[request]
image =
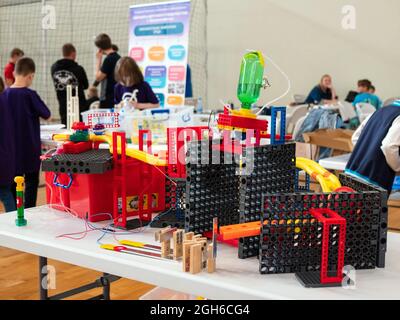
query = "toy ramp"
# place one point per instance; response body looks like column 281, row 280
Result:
column 130, row 152
column 328, row 181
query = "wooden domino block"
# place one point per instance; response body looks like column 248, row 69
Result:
column 201, row 239
column 195, row 258
column 204, row 255
column 178, row 244
column 189, row 236
column 186, row 255
column 211, row 262
column 165, row 249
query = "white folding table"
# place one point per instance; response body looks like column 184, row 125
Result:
column 235, row 279
column 338, row 163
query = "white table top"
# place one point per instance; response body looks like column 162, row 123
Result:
column 234, row 280
column 336, row 163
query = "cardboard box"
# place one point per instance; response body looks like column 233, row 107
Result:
column 336, row 139
column 306, row 150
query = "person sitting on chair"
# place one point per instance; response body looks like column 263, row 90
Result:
column 323, row 93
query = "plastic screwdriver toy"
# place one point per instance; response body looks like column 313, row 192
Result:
column 20, row 221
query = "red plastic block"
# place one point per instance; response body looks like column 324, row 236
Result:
column 177, row 138
column 77, row 148
column 138, row 187
column 230, row 121
column 328, row 218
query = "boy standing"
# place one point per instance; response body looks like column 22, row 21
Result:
column 68, row 72
column 10, row 67
column 26, row 109
column 7, row 156
column 376, row 156
column 105, row 70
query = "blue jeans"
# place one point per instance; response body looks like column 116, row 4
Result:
column 7, row 198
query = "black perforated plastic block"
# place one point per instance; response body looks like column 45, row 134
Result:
column 212, row 187
column 361, row 211
column 230, row 187
column 91, row 162
column 174, row 215
column 268, row 169
column 380, row 200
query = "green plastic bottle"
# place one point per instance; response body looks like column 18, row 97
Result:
column 251, row 79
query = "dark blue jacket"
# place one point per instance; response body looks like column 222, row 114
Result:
column 26, row 108
column 7, row 146
column 368, row 160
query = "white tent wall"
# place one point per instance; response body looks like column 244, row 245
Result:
column 306, row 39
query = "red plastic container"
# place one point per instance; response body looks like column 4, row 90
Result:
column 89, row 195
column 92, row 195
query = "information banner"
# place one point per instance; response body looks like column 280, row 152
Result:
column 159, row 42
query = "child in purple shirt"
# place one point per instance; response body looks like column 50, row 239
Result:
column 7, row 156
column 130, row 80
column 26, row 109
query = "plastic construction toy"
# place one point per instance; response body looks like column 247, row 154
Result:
column 294, row 238
column 20, row 221
column 233, row 191
column 328, row 219
column 81, row 132
column 99, row 129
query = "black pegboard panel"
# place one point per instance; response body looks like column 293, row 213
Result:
column 361, row 211
column 212, row 187
column 268, row 169
column 380, row 203
column 174, row 216
column 223, row 185
column 90, row 162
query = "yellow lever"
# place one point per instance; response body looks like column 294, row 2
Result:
column 108, row 247
column 132, row 244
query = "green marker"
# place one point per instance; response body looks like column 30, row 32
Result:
column 20, row 221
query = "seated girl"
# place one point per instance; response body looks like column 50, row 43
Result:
column 323, row 93
column 130, row 81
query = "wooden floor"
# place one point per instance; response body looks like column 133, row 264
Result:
column 19, row 277
column 19, row 273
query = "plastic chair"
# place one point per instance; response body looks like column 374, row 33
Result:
column 299, row 98
column 298, row 125
column 294, row 115
column 364, row 110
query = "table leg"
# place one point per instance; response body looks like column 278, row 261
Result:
column 43, row 290
column 106, row 286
